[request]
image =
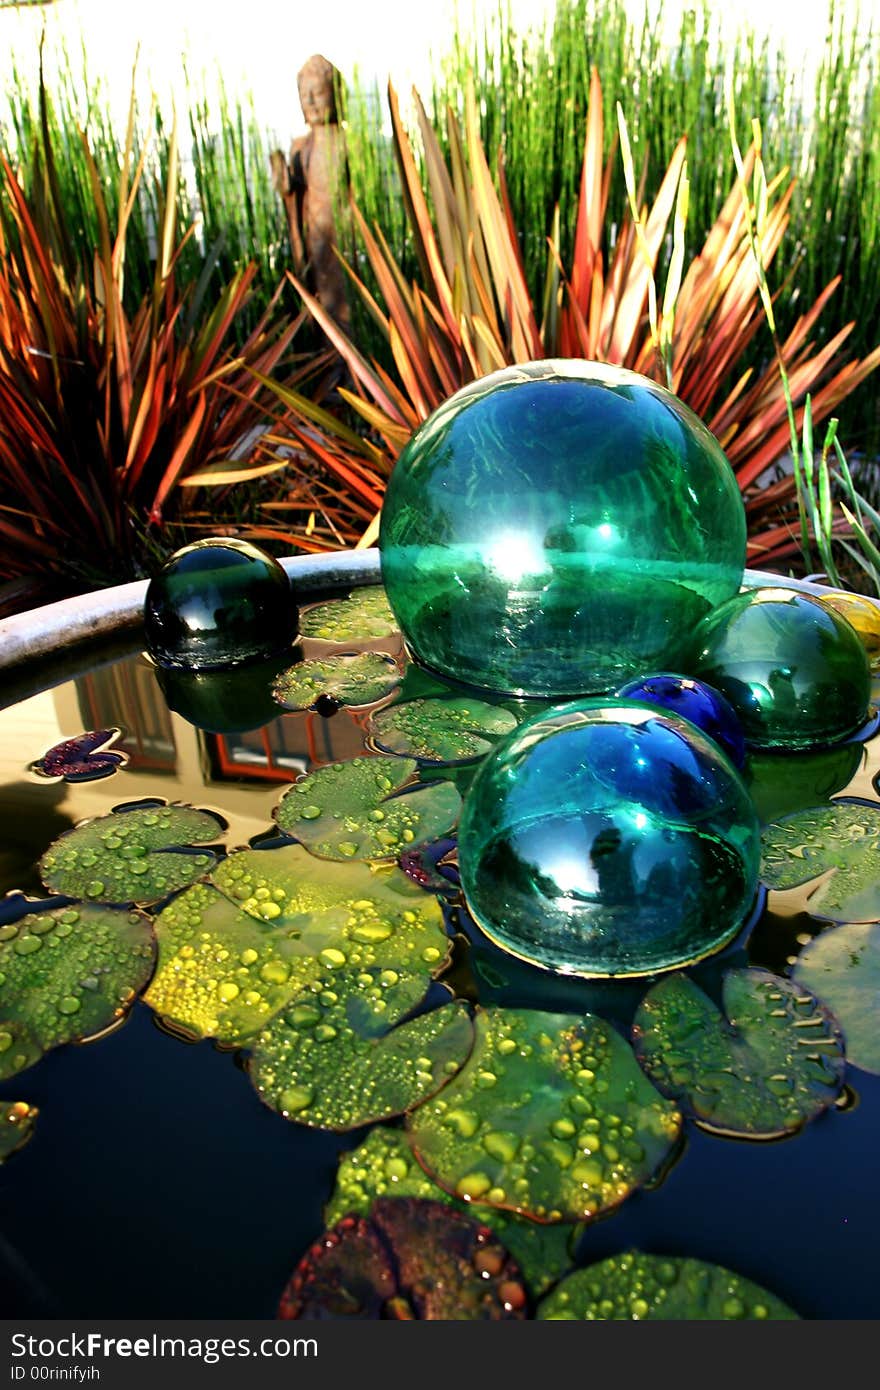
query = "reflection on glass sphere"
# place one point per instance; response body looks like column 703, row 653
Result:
column 218, row 602
column 558, row 528
column 794, row 671
column 696, row 701
column 862, row 614
column 608, row 838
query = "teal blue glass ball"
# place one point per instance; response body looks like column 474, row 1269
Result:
column 609, row 838
column 794, row 670
column 218, row 603
column 557, row 528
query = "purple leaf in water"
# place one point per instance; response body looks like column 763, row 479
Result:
column 83, row 758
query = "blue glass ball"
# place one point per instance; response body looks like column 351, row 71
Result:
column 604, row 838
column 558, row 527
column 218, row 603
column 696, row 701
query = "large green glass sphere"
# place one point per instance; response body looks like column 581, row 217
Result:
column 218, row 603
column 558, row 528
column 794, row 670
column 609, row 838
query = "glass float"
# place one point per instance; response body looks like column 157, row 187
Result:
column 695, row 701
column 558, row 528
column 794, row 671
column 218, row 602
column 862, row 614
column 608, row 838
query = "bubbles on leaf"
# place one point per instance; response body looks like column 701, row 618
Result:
column 440, row 731
column 636, row 1287
column 365, row 615
column 354, row 679
column 842, row 967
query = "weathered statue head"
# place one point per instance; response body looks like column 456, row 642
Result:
column 316, row 82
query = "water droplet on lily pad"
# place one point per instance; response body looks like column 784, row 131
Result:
column 17, row 1120
column 842, row 967
column 365, row 615
column 637, row 1287
column 385, row 1166
column 359, row 1063
column 840, row 841
column 773, row 1063
column 125, row 856
column 410, row 1259
column 347, row 794
column 544, row 1079
column 440, row 731
column 354, row 679
column 43, row 1001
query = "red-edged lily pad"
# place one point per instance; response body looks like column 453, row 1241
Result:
column 83, row 758
column 410, row 1259
column 17, row 1122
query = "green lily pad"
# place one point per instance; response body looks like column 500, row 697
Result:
column 67, row 975
column 773, row 1063
column 133, row 855
column 384, row 1166
column 551, row 1117
column 440, row 731
column 234, row 951
column 365, row 615
column 347, row 810
column 840, row 841
column 339, row 1056
column 657, row 1288
column 842, row 967
column 411, row 1259
column 353, row 678
column 17, row 1122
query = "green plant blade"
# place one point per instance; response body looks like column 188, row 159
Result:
column 551, row 1117
column 366, row 615
column 842, row 967
column 17, row 1121
column 840, row 841
column 235, row 951
column 384, row 1166
column 355, row 679
column 656, row 1288
column 67, row 975
column 410, row 1259
column 348, row 810
column 132, row 855
column 339, row 1056
column 762, row 1071
column 440, row 731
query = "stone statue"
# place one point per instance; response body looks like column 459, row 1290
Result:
column 310, row 181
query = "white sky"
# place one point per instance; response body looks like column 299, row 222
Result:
column 258, row 45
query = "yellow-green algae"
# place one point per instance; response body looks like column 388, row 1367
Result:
column 365, row 615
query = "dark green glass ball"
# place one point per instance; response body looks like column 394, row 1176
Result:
column 218, row 602
column 558, row 528
column 794, row 670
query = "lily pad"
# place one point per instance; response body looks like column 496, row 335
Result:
column 657, row 1288
column 365, row 615
column 352, row 678
column 234, row 951
column 773, row 1063
column 339, row 1056
column 440, row 731
column 411, row 1259
column 83, row 758
column 840, row 841
column 551, row 1117
column 67, row 975
column 16, row 1126
column 133, row 855
column 842, row 967
column 348, row 810
column 384, row 1166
